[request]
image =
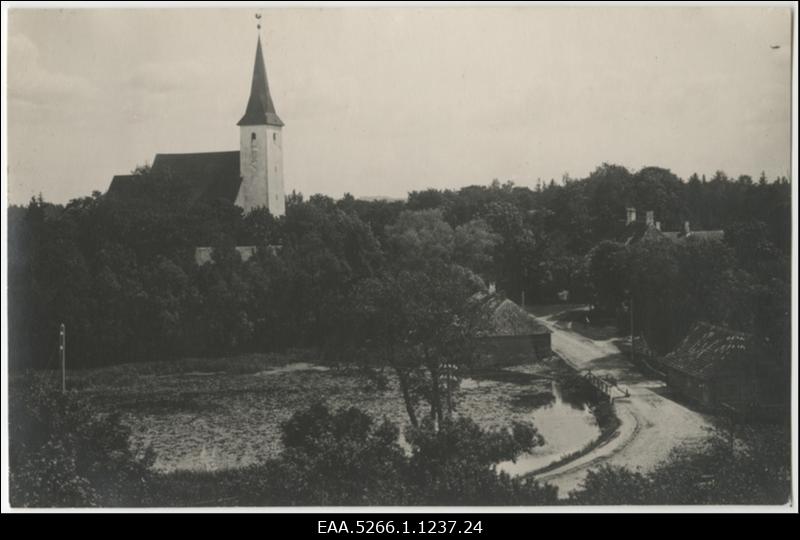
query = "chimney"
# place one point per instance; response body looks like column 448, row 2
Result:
column 686, row 228
column 658, row 225
column 631, row 215
column 650, row 217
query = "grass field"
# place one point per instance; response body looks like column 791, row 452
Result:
column 212, row 414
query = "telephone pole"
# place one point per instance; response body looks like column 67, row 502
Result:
column 633, row 343
column 62, row 352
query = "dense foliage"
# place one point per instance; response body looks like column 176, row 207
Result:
column 121, row 273
column 343, row 457
column 375, row 281
column 62, row 455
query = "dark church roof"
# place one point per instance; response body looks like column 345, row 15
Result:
column 709, row 349
column 205, row 176
column 260, row 109
column 123, row 185
column 208, row 175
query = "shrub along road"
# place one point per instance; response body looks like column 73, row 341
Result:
column 651, row 425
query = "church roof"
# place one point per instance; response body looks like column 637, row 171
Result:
column 122, row 185
column 208, row 175
column 260, row 109
column 204, row 176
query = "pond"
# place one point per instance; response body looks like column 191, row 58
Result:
column 567, row 425
column 220, row 420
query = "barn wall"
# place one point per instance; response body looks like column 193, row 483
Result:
column 512, row 350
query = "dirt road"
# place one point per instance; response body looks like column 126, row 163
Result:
column 651, row 426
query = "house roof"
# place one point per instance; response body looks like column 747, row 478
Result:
column 638, row 231
column 260, row 109
column 707, row 349
column 705, row 235
column 505, row 318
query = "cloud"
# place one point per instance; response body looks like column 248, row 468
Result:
column 32, row 85
column 166, row 77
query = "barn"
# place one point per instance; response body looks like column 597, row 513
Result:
column 509, row 335
column 715, row 366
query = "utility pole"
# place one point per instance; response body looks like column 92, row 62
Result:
column 633, row 343
column 62, row 352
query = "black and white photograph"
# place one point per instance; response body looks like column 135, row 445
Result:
column 273, row 256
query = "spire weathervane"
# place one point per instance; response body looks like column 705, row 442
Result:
column 258, row 18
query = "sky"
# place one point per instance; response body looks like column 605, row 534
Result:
column 383, row 101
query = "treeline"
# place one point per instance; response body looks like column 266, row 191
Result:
column 120, row 273
column 547, row 231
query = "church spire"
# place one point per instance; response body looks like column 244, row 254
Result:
column 260, row 109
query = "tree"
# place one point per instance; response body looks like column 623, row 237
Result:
column 417, row 313
column 606, row 268
column 609, row 485
column 455, row 464
column 338, row 458
column 345, row 458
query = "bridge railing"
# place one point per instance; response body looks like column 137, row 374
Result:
column 606, row 387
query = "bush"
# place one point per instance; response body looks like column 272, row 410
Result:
column 455, row 465
column 61, row 455
column 345, row 458
column 755, row 471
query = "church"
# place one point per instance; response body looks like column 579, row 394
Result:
column 250, row 178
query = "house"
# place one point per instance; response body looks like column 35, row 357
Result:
column 507, row 334
column 715, row 366
column 637, row 230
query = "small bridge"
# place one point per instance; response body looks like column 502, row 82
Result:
column 607, row 388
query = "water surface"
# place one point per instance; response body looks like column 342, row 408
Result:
column 566, row 427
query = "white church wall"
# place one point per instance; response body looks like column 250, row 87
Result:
column 253, row 162
column 261, row 167
column 275, row 192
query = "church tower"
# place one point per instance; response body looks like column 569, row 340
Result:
column 261, row 147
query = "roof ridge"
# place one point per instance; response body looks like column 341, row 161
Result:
column 196, row 153
column 721, row 328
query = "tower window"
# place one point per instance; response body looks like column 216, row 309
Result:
column 274, row 136
column 252, row 136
